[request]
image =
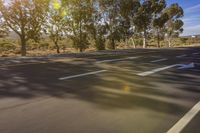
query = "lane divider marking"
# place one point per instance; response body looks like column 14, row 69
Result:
column 185, row 120
column 143, row 74
column 164, row 59
column 81, row 75
column 181, row 56
column 195, row 53
column 113, row 60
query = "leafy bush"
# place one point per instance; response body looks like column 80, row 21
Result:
column 44, row 45
column 100, row 44
column 32, row 45
column 7, row 46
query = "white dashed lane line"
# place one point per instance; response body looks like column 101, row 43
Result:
column 181, row 56
column 113, row 60
column 195, row 53
column 147, row 73
column 155, row 61
column 82, row 75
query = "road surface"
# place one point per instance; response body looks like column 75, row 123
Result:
column 124, row 91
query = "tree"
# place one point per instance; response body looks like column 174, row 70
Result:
column 128, row 9
column 56, row 23
column 174, row 24
column 3, row 28
column 158, row 25
column 159, row 20
column 147, row 12
column 25, row 18
column 143, row 19
column 97, row 28
column 112, row 20
column 79, row 17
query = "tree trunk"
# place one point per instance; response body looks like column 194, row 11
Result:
column 80, row 50
column 145, row 39
column 169, row 43
column 126, row 41
column 23, row 46
column 158, row 39
column 112, row 44
column 57, row 47
column 132, row 40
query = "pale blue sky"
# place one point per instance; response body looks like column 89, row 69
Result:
column 192, row 15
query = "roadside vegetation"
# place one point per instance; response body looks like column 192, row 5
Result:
column 60, row 26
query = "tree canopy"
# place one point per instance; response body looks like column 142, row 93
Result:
column 103, row 21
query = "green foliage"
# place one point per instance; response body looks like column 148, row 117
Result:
column 100, row 43
column 174, row 24
column 6, row 46
column 79, row 18
column 84, row 23
column 80, row 43
column 57, row 25
column 183, row 40
column 116, row 20
column 25, row 18
column 151, row 17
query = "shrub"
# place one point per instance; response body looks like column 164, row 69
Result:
column 7, row 46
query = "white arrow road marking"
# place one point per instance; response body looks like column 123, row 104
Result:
column 112, row 60
column 187, row 66
column 182, row 123
column 164, row 59
column 181, row 66
column 156, row 70
column 81, row 75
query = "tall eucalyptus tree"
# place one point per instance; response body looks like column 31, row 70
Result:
column 174, row 25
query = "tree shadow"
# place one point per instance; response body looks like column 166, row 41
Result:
column 116, row 89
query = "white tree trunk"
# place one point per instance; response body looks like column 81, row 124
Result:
column 134, row 45
column 144, row 42
column 145, row 39
column 169, row 43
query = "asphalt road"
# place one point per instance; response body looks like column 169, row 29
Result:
column 124, row 91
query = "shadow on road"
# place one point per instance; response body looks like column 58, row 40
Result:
column 116, row 89
column 167, row 92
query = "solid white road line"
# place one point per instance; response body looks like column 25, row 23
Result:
column 81, row 75
column 195, row 53
column 164, row 59
column 183, row 122
column 181, row 56
column 112, row 60
column 156, row 70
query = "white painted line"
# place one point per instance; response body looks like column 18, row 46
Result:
column 181, row 56
column 164, row 59
column 186, row 66
column 81, row 75
column 183, row 122
column 112, row 60
column 195, row 53
column 156, row 70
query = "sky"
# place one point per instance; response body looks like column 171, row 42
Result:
column 191, row 15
